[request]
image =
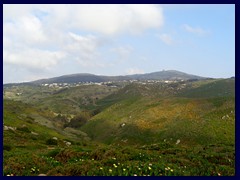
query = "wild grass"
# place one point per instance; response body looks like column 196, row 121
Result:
column 150, row 160
column 140, row 130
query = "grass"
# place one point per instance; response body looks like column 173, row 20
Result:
column 158, row 160
column 191, row 120
column 140, row 130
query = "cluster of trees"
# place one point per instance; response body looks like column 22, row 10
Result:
column 79, row 120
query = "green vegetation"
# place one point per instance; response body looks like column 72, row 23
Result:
column 142, row 129
column 157, row 159
column 79, row 120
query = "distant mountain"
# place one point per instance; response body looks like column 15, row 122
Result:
column 165, row 75
column 85, row 77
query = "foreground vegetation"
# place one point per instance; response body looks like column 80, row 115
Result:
column 100, row 160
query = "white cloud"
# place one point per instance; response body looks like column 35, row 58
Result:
column 134, row 71
column 194, row 30
column 32, row 58
column 108, row 19
column 166, row 38
column 86, row 44
column 113, row 19
column 26, row 29
column 42, row 36
column 123, row 51
column 84, row 49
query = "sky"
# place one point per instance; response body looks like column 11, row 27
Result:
column 43, row 41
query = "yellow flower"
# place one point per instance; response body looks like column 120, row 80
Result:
column 124, row 169
column 110, row 170
column 101, row 168
column 149, row 168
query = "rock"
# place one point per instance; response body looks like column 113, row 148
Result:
column 178, row 141
column 123, row 124
column 42, row 175
column 124, row 140
column 6, row 128
column 68, row 143
column 34, row 133
column 12, row 128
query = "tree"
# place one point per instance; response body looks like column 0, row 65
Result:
column 79, row 120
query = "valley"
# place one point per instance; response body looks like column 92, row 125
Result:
column 139, row 125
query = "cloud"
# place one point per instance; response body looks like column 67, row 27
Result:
column 114, row 19
column 194, row 30
column 166, row 38
column 43, row 36
column 134, row 71
column 32, row 58
column 25, row 29
column 123, row 51
column 108, row 19
column 81, row 44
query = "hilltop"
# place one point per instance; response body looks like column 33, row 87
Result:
column 86, row 77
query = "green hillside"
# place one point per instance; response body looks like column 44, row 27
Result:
column 217, row 88
column 139, row 128
column 67, row 100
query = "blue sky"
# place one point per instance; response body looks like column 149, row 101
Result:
column 42, row 41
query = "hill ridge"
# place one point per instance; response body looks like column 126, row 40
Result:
column 88, row 77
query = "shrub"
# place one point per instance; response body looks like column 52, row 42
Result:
column 95, row 112
column 7, row 147
column 53, row 153
column 51, row 141
column 79, row 120
column 24, row 129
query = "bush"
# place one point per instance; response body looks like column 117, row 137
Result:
column 53, row 153
column 24, row 129
column 7, row 147
column 95, row 112
column 79, row 120
column 51, row 142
